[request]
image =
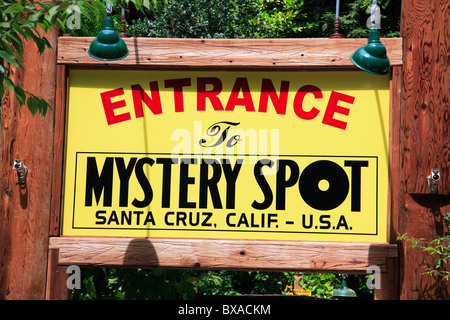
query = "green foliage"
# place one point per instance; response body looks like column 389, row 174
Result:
column 262, row 19
column 91, row 15
column 198, row 19
column 438, row 249
column 91, row 19
column 242, row 282
column 352, row 18
column 280, row 19
column 223, row 19
column 19, row 20
column 134, row 284
column 155, row 284
column 140, row 5
column 321, row 284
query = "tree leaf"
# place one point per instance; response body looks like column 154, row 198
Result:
column 52, row 13
column 9, row 83
column 2, row 86
column 36, row 104
column 20, row 94
column 43, row 107
column 5, row 24
column 14, row 8
column 43, row 5
column 9, row 58
column 99, row 6
column 2, row 91
column 36, row 16
column 32, row 104
column 61, row 24
column 14, row 39
column 40, row 44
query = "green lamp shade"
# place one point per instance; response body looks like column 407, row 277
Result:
column 108, row 45
column 372, row 57
column 345, row 292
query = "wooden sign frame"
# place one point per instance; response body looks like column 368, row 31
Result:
column 220, row 54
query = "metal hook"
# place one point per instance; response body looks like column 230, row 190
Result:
column 433, row 180
column 22, row 171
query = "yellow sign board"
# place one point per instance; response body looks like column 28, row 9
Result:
column 226, row 154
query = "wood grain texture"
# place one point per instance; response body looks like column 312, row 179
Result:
column 389, row 287
column 426, row 92
column 24, row 209
column 222, row 254
column 228, row 53
column 424, row 142
column 396, row 188
column 56, row 287
column 58, row 148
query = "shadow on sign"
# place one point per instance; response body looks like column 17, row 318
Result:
column 140, row 252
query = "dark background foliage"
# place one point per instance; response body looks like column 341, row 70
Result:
column 250, row 19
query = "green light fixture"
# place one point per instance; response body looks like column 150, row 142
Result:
column 108, row 45
column 372, row 57
column 345, row 292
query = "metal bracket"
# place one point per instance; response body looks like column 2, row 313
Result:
column 433, row 180
column 22, row 171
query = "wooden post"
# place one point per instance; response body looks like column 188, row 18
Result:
column 424, row 142
column 56, row 274
column 388, row 288
column 25, row 210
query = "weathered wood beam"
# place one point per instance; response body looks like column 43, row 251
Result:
column 351, row 257
column 232, row 53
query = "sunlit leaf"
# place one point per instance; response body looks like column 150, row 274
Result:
column 20, row 94
column 36, row 16
column 14, row 8
column 32, row 105
column 9, row 58
column 9, row 83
